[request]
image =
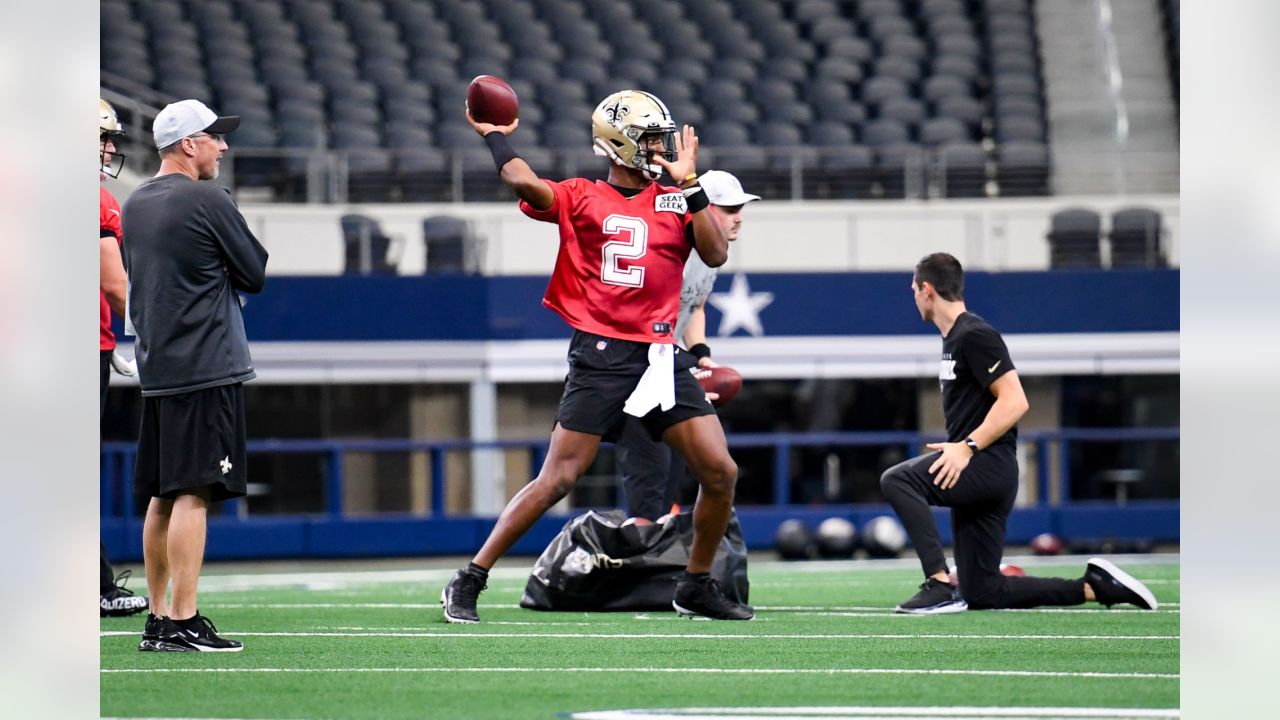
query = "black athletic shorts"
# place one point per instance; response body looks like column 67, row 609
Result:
column 190, row 441
column 604, row 371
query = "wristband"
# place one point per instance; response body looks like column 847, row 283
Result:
column 688, row 179
column 696, row 198
column 973, row 444
column 700, row 351
column 501, row 149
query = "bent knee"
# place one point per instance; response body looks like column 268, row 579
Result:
column 890, row 480
column 720, row 476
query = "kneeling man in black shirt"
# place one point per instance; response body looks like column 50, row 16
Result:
column 975, row 473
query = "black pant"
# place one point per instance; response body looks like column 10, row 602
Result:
column 653, row 477
column 980, row 502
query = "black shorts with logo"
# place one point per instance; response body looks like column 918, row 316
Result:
column 192, row 440
column 604, row 371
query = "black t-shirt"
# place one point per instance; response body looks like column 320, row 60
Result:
column 973, row 356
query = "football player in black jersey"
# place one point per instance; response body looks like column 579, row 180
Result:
column 975, row 472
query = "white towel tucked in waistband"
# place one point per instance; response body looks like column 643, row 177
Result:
column 658, row 384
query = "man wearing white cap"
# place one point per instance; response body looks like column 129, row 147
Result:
column 651, row 474
column 189, row 254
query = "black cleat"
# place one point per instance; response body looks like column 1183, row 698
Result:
column 1112, row 586
column 151, row 632
column 935, row 598
column 705, row 599
column 459, row 598
column 120, row 602
column 199, row 636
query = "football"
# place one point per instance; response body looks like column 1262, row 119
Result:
column 722, row 380
column 491, row 100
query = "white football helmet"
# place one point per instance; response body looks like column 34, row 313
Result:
column 108, row 126
column 622, row 119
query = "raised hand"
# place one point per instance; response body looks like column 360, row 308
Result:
column 686, row 156
column 486, row 128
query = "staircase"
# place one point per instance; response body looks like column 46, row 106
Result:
column 1113, row 124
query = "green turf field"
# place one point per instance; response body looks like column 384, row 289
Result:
column 824, row 642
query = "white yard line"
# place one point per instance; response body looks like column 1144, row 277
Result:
column 871, row 609
column 675, row 636
column 341, row 579
column 873, row 713
column 669, row 671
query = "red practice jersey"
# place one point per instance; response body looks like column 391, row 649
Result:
column 621, row 259
column 109, row 222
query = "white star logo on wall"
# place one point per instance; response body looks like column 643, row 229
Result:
column 740, row 307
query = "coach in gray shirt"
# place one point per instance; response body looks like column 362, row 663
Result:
column 189, row 254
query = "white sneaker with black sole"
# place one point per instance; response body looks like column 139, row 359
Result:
column 1112, row 586
column 935, row 598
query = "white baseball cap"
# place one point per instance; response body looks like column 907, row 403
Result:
column 188, row 117
column 723, row 189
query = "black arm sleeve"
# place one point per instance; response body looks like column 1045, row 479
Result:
column 986, row 355
column 245, row 257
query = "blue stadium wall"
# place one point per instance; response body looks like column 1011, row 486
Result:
column 476, row 308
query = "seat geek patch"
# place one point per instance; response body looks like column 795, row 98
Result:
column 671, row 202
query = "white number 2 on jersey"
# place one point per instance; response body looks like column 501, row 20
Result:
column 632, row 246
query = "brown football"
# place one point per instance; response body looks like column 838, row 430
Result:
column 491, row 100
column 722, row 380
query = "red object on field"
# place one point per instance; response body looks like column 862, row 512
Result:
column 491, row 100
column 722, row 380
column 1046, row 544
column 1006, row 570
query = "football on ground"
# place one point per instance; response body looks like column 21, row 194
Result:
column 491, row 100
column 722, row 380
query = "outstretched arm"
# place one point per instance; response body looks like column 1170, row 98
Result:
column 512, row 169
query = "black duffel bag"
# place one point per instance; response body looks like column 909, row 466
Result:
column 601, row 562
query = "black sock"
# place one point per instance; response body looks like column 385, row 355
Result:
column 697, row 577
column 480, row 572
column 189, row 622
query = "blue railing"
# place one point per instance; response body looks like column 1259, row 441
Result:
column 118, row 458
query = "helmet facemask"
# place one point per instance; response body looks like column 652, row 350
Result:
column 623, row 125
column 109, row 128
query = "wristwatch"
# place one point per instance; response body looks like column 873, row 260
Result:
column 973, row 445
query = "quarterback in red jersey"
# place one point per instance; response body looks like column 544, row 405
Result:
column 115, row 599
column 623, row 246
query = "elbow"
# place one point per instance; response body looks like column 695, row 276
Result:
column 1022, row 407
column 716, row 258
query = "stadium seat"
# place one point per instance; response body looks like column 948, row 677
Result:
column 1022, row 169
column 450, row 247
column 900, row 169
column 943, row 130
column 882, row 132
column 963, row 170
column 367, row 247
column 1075, row 238
column 1136, row 239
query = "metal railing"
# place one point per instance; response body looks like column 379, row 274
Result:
column 118, row 459
column 779, row 173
